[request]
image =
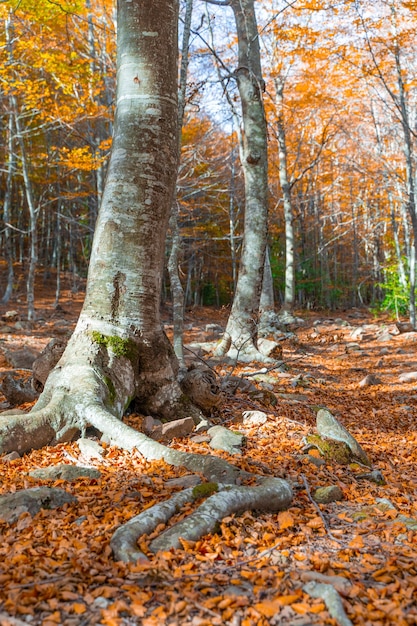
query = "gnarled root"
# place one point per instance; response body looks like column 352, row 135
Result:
column 82, row 394
column 272, row 494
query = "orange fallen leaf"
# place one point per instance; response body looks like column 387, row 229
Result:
column 301, row 607
column 285, row 520
column 268, row 608
column 356, row 543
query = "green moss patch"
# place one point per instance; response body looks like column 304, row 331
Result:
column 204, row 490
column 119, row 347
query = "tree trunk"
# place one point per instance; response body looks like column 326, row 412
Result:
column 118, row 351
column 239, row 340
column 33, row 212
column 177, row 291
column 7, row 203
column 289, row 294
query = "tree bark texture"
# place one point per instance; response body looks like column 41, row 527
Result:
column 289, row 296
column 240, row 335
column 118, row 351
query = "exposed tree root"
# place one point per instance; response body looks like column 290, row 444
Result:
column 272, row 494
column 241, row 350
column 93, row 390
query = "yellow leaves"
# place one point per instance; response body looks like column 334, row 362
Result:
column 79, row 158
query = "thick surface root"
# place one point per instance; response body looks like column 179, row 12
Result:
column 77, row 397
column 273, row 494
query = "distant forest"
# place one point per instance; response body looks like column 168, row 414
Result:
column 340, row 96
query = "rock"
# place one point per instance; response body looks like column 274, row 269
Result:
column 408, row 377
column 405, row 327
column 177, row 429
column 254, row 418
column 341, row 322
column 325, row 495
column 200, row 438
column 17, row 390
column 31, row 501
column 370, row 379
column 375, row 476
column 45, row 362
column 90, row 449
column 352, row 347
column 230, row 384
column 289, row 320
column 200, row 348
column 410, row 336
column 12, row 456
column 330, row 428
column 150, row 424
column 22, row 358
column 224, row 439
column 214, row 331
column 64, row 472
column 10, row 316
column 385, row 336
column 294, row 398
column 190, row 480
column 358, row 333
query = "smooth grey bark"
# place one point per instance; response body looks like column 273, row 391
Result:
column 7, row 203
column 239, row 340
column 118, row 351
column 289, row 294
column 30, row 200
column 270, row 494
column 177, row 291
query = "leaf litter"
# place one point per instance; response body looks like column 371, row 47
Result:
column 257, row 569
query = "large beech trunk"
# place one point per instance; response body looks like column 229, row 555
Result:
column 118, row 351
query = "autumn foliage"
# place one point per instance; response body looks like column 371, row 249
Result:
column 348, row 81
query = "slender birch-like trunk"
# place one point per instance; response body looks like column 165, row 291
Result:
column 239, row 340
column 6, row 212
column 289, row 294
column 177, row 291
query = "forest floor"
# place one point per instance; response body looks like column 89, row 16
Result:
column 57, row 567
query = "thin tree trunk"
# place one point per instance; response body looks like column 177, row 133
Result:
column 289, row 294
column 240, row 336
column 33, row 233
column 6, row 213
column 177, row 291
